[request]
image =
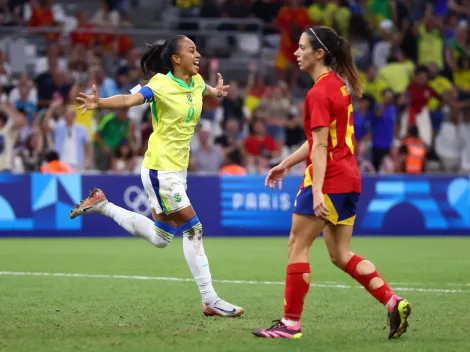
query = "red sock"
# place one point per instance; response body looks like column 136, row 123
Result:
column 296, row 290
column 382, row 294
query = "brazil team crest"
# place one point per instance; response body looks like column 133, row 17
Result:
column 190, row 98
column 177, row 197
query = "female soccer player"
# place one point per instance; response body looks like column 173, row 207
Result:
column 175, row 95
column 330, row 190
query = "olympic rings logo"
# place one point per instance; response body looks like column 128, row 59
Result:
column 136, row 199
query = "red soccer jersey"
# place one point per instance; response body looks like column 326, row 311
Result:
column 329, row 104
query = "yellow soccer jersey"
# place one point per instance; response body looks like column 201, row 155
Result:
column 176, row 109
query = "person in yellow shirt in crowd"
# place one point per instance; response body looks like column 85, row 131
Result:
column 331, row 13
column 444, row 87
column 373, row 85
column 462, row 82
column 397, row 72
column 430, row 41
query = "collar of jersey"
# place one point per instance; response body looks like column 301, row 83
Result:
column 180, row 82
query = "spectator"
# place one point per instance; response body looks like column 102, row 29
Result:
column 444, row 88
column 459, row 46
column 360, row 38
column 373, row 84
column 295, row 134
column 207, row 158
column 31, row 154
column 430, row 42
column 112, row 130
column 383, row 128
column 11, row 121
column 106, row 85
column 25, row 103
column 54, row 165
column 462, row 83
column 72, row 142
column 44, row 15
column 232, row 104
column 82, row 38
column 123, row 159
column 274, row 109
column 322, row 12
column 398, row 72
column 419, row 93
column 52, row 85
column 406, row 37
column 52, row 61
column 412, row 153
column 258, row 142
column 255, row 90
column 383, row 47
column 231, row 142
column 448, row 145
column 24, row 80
column 291, row 21
column 362, row 118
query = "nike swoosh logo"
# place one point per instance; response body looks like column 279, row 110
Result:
column 85, row 209
column 233, row 311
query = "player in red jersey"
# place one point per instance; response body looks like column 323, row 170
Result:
column 326, row 201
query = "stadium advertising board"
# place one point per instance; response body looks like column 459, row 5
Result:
column 38, row 205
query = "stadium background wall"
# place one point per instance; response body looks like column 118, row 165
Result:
column 36, row 205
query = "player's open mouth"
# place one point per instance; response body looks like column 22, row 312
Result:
column 196, row 64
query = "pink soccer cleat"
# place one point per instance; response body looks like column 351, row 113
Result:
column 279, row 331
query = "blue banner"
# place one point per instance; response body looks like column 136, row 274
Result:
column 39, row 205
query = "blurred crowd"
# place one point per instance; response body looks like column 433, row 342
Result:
column 414, row 57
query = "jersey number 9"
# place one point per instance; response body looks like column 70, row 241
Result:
column 191, row 113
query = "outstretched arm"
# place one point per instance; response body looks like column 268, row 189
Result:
column 120, row 101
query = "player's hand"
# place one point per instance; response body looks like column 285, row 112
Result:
column 275, row 175
column 319, row 206
column 220, row 88
column 89, row 102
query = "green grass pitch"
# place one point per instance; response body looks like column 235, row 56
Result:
column 152, row 313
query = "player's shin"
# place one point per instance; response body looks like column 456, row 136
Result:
column 297, row 286
column 364, row 272
column 136, row 224
column 197, row 260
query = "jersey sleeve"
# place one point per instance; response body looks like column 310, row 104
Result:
column 319, row 110
column 152, row 89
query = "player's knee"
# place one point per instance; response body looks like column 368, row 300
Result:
column 340, row 259
column 164, row 234
column 365, row 267
column 192, row 229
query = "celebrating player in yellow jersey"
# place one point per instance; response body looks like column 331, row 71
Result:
column 175, row 95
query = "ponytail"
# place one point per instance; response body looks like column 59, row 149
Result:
column 337, row 55
column 157, row 59
column 345, row 67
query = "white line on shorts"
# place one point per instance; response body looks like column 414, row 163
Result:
column 239, row 282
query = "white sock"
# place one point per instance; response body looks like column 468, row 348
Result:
column 198, row 264
column 134, row 223
column 289, row 323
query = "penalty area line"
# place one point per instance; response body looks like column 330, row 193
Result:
column 239, row 282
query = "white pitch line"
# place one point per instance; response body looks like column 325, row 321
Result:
column 240, row 282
